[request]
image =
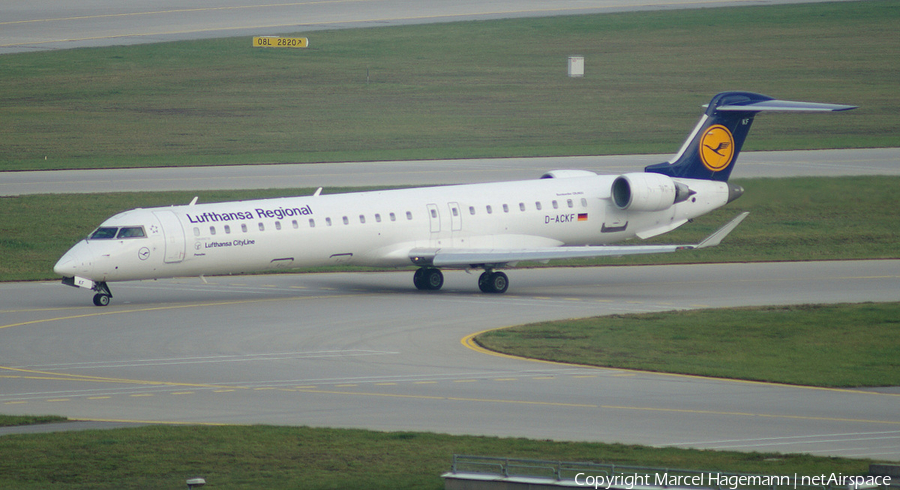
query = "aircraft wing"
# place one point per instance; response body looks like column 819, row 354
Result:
column 450, row 257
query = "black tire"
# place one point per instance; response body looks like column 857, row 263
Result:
column 484, row 282
column 499, row 282
column 418, row 280
column 101, row 299
column 426, row 279
column 434, row 279
column 493, row 282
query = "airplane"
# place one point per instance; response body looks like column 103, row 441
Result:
column 563, row 214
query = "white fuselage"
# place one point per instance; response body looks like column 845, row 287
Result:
column 379, row 228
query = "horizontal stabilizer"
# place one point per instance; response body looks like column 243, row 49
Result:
column 785, row 105
column 711, row 150
column 456, row 257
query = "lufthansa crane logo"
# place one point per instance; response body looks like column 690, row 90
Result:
column 717, row 148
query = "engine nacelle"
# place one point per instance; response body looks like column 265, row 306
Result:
column 648, row 192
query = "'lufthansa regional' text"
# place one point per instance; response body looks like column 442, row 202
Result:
column 258, row 213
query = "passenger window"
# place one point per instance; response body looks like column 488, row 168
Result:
column 312, row 223
column 131, row 232
column 278, row 225
column 295, row 224
column 377, row 218
column 227, row 229
column 243, row 227
column 505, row 208
column 362, row 219
column 212, row 230
column 489, row 210
column 569, row 202
column 472, row 210
column 537, row 205
column 583, row 202
column 521, row 206
column 434, row 213
column 104, row 233
column 327, row 221
column 262, row 227
column 196, row 231
column 408, row 215
column 393, row 217
column 555, row 205
column 346, row 220
column 455, row 211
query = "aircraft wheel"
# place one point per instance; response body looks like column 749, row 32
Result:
column 418, row 280
column 499, row 282
column 434, row 279
column 101, row 299
column 484, row 282
column 493, row 282
column 427, row 279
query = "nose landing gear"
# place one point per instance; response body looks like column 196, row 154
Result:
column 103, row 294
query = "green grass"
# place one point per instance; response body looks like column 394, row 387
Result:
column 14, row 420
column 465, row 89
column 304, row 458
column 791, row 219
column 829, row 346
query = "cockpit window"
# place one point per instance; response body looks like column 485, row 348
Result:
column 131, row 232
column 103, row 233
column 108, row 233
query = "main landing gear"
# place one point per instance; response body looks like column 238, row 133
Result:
column 493, row 282
column 428, row 279
column 431, row 279
column 103, row 294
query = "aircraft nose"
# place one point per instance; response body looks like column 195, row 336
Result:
column 75, row 262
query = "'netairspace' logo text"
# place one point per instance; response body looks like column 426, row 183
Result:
column 732, row 482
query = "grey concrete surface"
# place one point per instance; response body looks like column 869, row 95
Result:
column 46, row 24
column 877, row 161
column 368, row 350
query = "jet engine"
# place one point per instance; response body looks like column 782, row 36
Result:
column 648, row 192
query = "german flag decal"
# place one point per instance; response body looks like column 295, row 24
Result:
column 582, row 216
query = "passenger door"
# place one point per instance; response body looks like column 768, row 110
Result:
column 173, row 234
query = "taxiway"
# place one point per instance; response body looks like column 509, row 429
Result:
column 368, row 350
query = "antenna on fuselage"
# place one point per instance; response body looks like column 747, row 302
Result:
column 194, row 200
column 318, row 191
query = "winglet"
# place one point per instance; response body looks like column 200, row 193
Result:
column 721, row 233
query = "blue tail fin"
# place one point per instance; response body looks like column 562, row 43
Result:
column 712, row 148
